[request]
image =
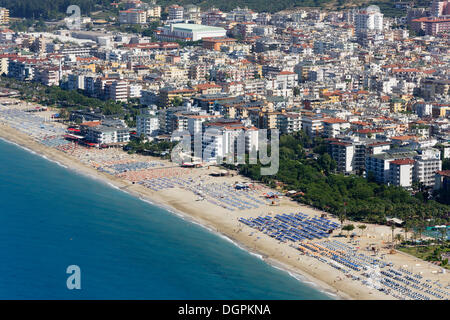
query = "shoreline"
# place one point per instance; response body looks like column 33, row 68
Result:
column 50, row 154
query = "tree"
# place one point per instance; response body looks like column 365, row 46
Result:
column 406, row 229
column 392, row 229
column 64, row 114
column 326, row 163
column 443, row 232
column 420, row 229
column 342, row 218
column 362, row 227
column 177, row 101
column 398, row 237
column 348, row 228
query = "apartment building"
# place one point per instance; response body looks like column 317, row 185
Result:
column 49, row 76
column 334, row 126
column 378, row 165
column 226, row 139
column 133, row 16
column 401, row 172
column 427, row 163
column 4, row 16
column 75, row 81
column 195, row 122
column 312, row 126
column 168, row 94
column 147, row 124
column 368, row 20
column 350, row 153
column 175, row 12
column 289, row 123
column 117, row 90
column 107, row 135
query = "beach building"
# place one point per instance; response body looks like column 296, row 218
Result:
column 147, row 123
column 401, row 172
column 427, row 163
column 21, row 69
column 227, row 138
column 153, row 11
column 195, row 122
column 134, row 90
column 350, row 154
column 107, row 135
column 378, row 165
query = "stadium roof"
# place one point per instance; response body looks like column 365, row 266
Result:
column 195, row 27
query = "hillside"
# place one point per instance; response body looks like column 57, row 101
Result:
column 49, row 9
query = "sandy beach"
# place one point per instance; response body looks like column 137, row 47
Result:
column 217, row 218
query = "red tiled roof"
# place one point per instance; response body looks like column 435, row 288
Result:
column 369, row 130
column 334, row 120
column 445, row 173
column 286, row 72
column 403, row 161
column 404, row 138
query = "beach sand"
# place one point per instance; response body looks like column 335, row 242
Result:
column 225, row 222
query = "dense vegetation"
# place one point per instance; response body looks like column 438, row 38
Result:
column 24, row 24
column 356, row 197
column 50, row 9
column 430, row 252
column 154, row 148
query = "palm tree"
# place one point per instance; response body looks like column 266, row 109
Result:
column 406, row 229
column 342, row 218
column 398, row 237
column 420, row 229
column 443, row 232
column 392, row 229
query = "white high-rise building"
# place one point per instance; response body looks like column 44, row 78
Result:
column 226, row 139
column 367, row 20
column 147, row 123
column 427, row 163
column 176, row 12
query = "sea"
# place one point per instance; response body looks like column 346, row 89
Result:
column 52, row 217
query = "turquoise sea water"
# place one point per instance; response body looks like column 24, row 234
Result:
column 51, row 217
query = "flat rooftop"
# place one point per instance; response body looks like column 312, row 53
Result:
column 194, row 27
